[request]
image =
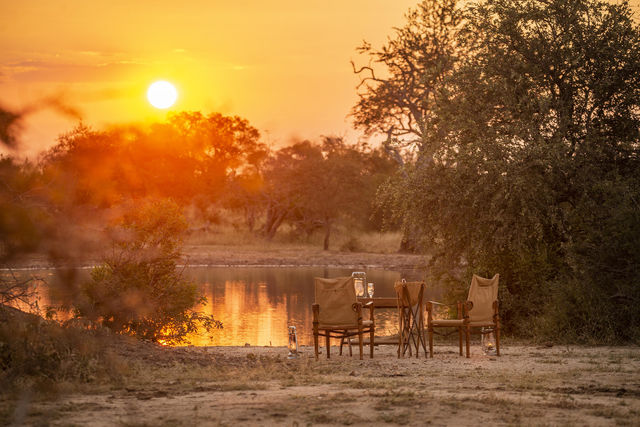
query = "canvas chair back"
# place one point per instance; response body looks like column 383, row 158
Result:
column 412, row 296
column 335, row 298
column 482, row 293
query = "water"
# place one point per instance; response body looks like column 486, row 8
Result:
column 257, row 304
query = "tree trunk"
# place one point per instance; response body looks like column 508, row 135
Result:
column 250, row 218
column 274, row 219
column 327, row 233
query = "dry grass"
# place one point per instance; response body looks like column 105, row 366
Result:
column 231, row 231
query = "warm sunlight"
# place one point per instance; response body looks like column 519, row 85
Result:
column 162, row 94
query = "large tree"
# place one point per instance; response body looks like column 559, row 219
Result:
column 316, row 186
column 536, row 169
column 400, row 87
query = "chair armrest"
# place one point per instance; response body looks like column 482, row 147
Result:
column 442, row 304
column 357, row 308
column 370, row 306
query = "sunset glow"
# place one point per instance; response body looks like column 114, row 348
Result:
column 282, row 65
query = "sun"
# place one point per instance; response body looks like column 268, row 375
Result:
column 162, row 94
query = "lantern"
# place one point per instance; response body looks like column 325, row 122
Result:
column 293, row 343
column 359, row 282
column 488, row 341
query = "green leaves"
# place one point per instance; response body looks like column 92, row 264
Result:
column 139, row 290
column 535, row 166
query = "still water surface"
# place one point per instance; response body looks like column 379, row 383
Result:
column 257, row 304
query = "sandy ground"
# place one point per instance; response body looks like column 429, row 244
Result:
column 258, row 386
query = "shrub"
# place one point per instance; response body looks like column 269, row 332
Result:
column 35, row 349
column 139, row 290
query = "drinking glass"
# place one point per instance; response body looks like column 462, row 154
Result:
column 370, row 289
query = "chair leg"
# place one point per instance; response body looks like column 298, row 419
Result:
column 328, row 343
column 400, row 333
column 315, row 343
column 423, row 337
column 460, row 338
column 372, row 334
column 498, row 339
column 431, row 341
column 468, row 339
column 316, row 329
column 342, row 343
column 360, row 342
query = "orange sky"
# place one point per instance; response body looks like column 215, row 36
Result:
column 282, row 64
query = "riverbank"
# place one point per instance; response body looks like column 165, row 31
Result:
column 265, row 255
column 258, row 386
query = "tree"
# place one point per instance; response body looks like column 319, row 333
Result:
column 540, row 125
column 189, row 156
column 398, row 101
column 315, row 186
column 139, row 290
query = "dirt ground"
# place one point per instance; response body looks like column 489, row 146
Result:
column 218, row 386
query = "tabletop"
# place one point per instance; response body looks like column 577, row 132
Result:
column 380, row 302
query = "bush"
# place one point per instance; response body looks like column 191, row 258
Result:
column 353, row 244
column 139, row 290
column 33, row 349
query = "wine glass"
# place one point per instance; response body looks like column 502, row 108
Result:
column 370, row 289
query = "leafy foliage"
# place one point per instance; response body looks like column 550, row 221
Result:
column 139, row 290
column 314, row 186
column 190, row 155
column 535, row 166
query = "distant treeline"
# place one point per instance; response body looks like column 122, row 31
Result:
column 212, row 162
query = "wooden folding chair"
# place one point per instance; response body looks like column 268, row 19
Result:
column 410, row 311
column 338, row 314
column 479, row 310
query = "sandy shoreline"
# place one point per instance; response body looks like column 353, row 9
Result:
column 269, row 256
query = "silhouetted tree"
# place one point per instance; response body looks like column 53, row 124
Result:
column 401, row 86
